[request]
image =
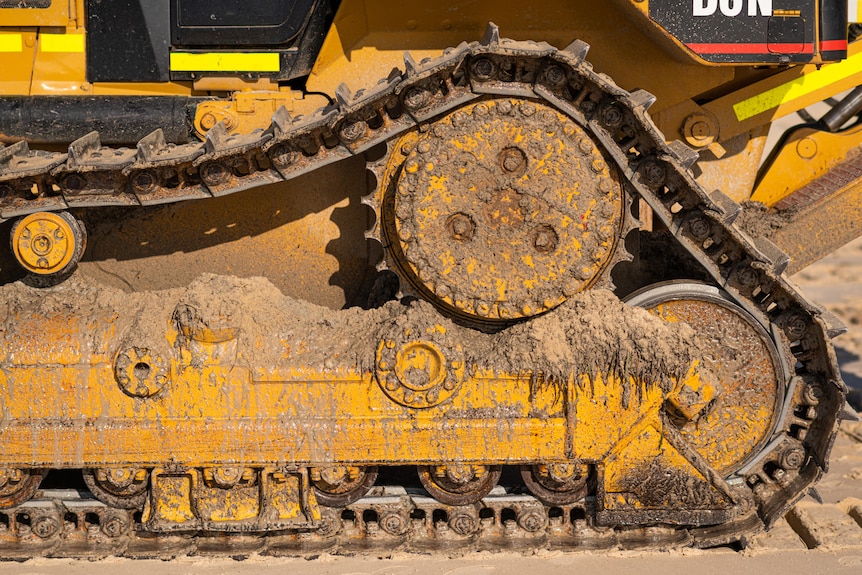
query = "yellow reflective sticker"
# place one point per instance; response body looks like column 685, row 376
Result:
column 62, row 42
column 11, row 43
column 225, row 62
column 806, row 84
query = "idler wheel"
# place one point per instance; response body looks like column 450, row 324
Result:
column 459, row 483
column 741, row 361
column 48, row 244
column 341, row 485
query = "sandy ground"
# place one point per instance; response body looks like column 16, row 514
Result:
column 835, row 281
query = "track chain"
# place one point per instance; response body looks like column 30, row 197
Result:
column 91, row 175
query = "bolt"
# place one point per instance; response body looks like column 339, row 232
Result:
column 208, row 120
column 699, row 227
column 554, row 76
column 433, row 396
column 746, row 277
column 513, row 160
column 393, row 524
column 352, row 131
column 214, row 173
column 461, row 227
column 813, row 393
column 45, row 527
column 531, row 521
column 585, row 145
column 480, row 110
column 654, row 173
column 793, row 458
column 545, row 239
column 144, row 182
column 416, row 97
column 504, row 107
column 424, row 147
column 482, row 68
column 463, row 524
column 598, row 166
column 114, row 527
column 612, row 116
column 528, row 109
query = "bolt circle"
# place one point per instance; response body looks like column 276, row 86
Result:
column 420, row 376
column 554, row 76
column 699, row 227
column 513, row 160
column 793, row 458
column 612, row 116
column 141, row 373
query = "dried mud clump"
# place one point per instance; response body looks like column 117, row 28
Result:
column 591, row 333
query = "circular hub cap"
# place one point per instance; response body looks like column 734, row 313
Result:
column 503, row 210
column 44, row 242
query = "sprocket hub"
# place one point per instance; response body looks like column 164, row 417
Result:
column 503, row 210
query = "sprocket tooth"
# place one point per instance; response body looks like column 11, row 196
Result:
column 577, row 50
column 684, row 155
column 777, row 258
column 815, row 495
column 150, row 145
column 847, row 413
column 492, row 35
column 730, row 208
column 80, row 148
column 642, row 99
column 834, row 325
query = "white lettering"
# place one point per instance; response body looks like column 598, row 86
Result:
column 704, row 7
column 765, row 7
column 731, row 7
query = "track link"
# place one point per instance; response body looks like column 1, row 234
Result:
column 91, row 175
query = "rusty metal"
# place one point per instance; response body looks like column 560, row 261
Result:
column 459, row 483
column 556, row 483
column 342, row 485
column 120, row 487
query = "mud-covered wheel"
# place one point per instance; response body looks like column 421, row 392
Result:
column 123, row 488
column 459, row 484
column 48, row 245
column 556, row 483
column 18, row 486
column 341, row 485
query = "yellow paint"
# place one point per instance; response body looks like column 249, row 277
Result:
column 810, row 82
column 11, row 43
column 225, row 62
column 61, row 42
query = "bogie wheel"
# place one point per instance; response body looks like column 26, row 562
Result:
column 556, row 483
column 48, row 245
column 459, row 484
column 123, row 488
column 341, row 485
column 17, row 486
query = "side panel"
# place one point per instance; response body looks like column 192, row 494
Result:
column 735, row 31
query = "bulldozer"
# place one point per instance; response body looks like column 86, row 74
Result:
column 261, row 293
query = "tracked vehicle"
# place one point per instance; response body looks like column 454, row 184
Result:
column 292, row 276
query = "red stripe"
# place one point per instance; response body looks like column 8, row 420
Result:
column 833, row 45
column 761, row 48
